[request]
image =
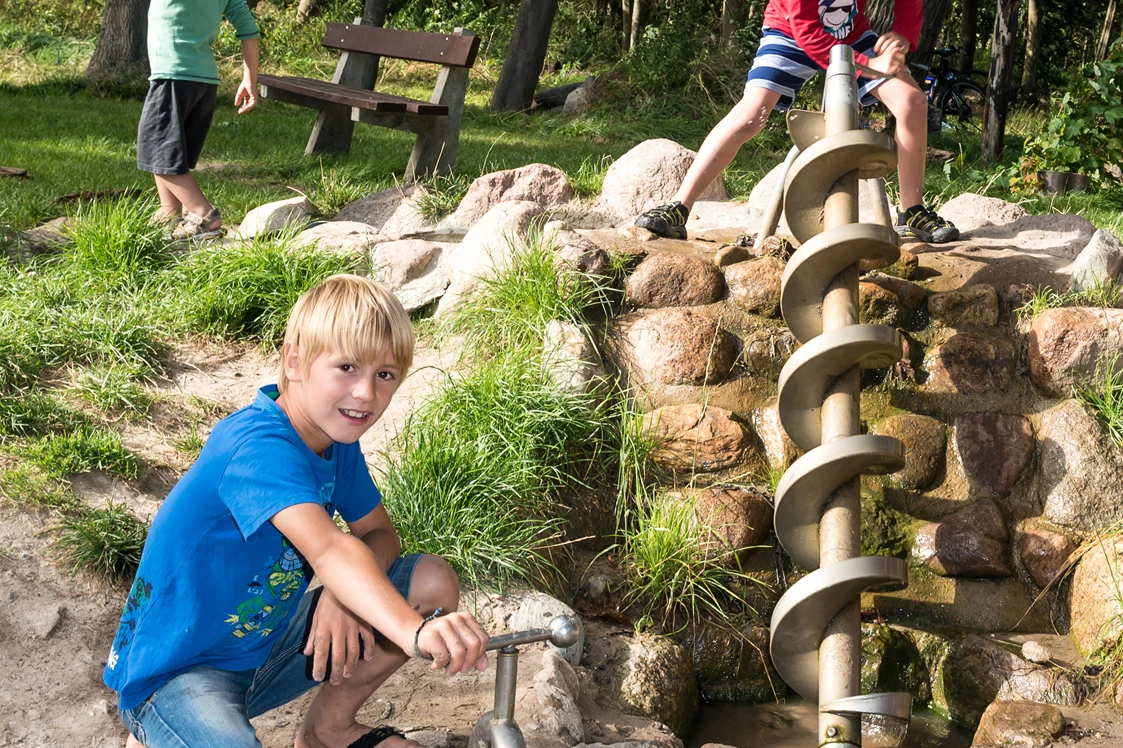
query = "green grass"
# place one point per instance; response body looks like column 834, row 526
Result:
column 1104, row 395
column 25, row 486
column 80, row 450
column 115, row 390
column 587, row 180
column 107, row 542
column 678, row 574
column 192, row 444
column 442, row 195
column 1107, row 294
column 478, row 472
column 513, row 309
column 33, row 413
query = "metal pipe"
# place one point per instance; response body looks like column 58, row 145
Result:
column 840, row 650
column 506, row 674
column 771, row 218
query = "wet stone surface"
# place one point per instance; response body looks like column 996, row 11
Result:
column 666, row 279
column 970, row 364
column 995, row 448
column 1006, row 723
column 678, row 346
column 755, row 285
column 1044, row 554
column 972, row 306
column 925, row 441
column 969, row 543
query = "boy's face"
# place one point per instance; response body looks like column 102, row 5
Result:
column 338, row 398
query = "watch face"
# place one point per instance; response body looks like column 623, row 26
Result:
column 838, row 16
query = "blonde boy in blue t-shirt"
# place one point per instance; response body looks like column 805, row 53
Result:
column 217, row 627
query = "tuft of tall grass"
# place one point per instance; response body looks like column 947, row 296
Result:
column 677, row 575
column 115, row 244
column 1104, row 395
column 26, row 486
column 114, row 388
column 80, row 450
column 513, row 308
column 246, row 290
column 586, row 181
column 1107, row 294
column 478, row 471
column 337, row 189
column 441, row 195
column 34, row 413
column 107, row 541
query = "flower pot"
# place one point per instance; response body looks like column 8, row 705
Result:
column 1062, row 181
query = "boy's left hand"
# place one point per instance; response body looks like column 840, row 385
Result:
column 335, row 633
column 246, row 96
column 891, row 43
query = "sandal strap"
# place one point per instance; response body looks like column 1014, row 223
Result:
column 376, row 736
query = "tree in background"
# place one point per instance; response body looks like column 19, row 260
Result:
column 1033, row 49
column 1105, row 35
column 998, row 84
column 514, row 91
column 122, row 45
column 880, row 13
column 968, row 33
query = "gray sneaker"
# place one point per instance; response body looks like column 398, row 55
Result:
column 666, row 220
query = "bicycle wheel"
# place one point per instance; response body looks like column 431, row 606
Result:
column 963, row 100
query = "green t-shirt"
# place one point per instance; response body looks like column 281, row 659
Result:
column 182, row 32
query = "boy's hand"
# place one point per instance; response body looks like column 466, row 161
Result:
column 889, row 42
column 246, row 96
column 889, row 65
column 335, row 633
column 456, row 642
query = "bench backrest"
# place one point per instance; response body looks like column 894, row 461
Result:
column 442, row 49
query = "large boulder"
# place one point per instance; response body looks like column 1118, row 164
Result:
column 995, row 448
column 413, row 269
column 669, row 279
column 734, row 520
column 694, row 437
column 650, row 175
column 348, row 238
column 1100, row 261
column 536, row 609
column 486, row 249
column 1018, row 723
column 970, row 211
column 1095, row 601
column 925, row 441
column 977, row 671
column 536, row 183
column 276, row 216
column 779, row 449
column 970, row 543
column 676, row 346
column 394, row 212
column 1079, row 469
column 970, row 364
column 1069, row 345
column 755, row 285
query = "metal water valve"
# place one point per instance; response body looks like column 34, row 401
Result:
column 497, row 728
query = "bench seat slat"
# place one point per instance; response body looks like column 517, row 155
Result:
column 456, row 50
column 354, row 97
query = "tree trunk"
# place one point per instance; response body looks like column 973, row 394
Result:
column 733, row 15
column 935, row 13
column 305, row 10
column 639, row 21
column 1001, row 73
column 122, row 45
column 880, row 13
column 1105, row 35
column 1033, row 49
column 626, row 13
column 968, row 34
column 514, row 90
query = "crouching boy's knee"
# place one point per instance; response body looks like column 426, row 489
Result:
column 435, row 585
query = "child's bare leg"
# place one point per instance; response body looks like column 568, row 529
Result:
column 907, row 103
column 132, row 742
column 185, row 189
column 330, row 722
column 170, row 207
column 743, row 122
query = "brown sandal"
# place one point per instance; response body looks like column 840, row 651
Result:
column 195, row 227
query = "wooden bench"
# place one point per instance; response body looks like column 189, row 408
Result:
column 348, row 98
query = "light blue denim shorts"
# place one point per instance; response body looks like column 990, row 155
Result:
column 206, row 707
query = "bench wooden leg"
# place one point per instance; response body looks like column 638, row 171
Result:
column 435, row 150
column 332, row 132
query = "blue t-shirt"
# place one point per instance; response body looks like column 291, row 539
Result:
column 216, row 579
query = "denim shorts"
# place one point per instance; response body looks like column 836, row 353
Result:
column 207, row 707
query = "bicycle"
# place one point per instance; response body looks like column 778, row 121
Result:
column 951, row 93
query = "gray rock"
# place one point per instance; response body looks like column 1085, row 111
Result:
column 995, row 448
column 779, row 449
column 970, row 211
column 393, row 212
column 486, row 249
column 669, row 279
column 1079, row 468
column 1070, row 345
column 557, row 689
column 649, row 175
column 1008, row 723
column 582, row 98
column 925, row 441
column 1097, row 263
column 1045, row 554
column 431, row 738
column 755, row 285
column 536, row 183
column 412, row 269
column 572, row 360
column 275, row 216
column 1036, row 652
column 694, row 437
column 41, row 622
column 349, row 238
column 765, row 350
column 970, row 364
column 1095, row 605
column 536, row 610
column 972, row 306
column 658, row 682
column 676, row 346
column 976, row 672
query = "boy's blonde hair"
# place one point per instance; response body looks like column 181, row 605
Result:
column 351, row 315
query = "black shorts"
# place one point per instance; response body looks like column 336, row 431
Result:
column 173, row 125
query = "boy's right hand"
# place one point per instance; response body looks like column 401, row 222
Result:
column 456, row 642
column 890, row 64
